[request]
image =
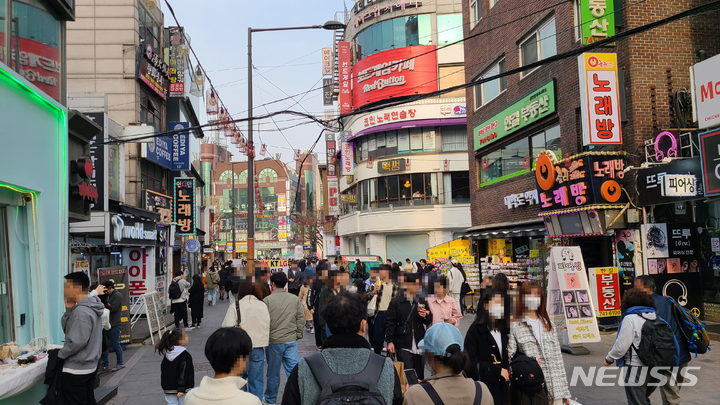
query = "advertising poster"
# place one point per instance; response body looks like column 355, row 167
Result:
column 570, row 296
column 684, row 288
column 496, row 247
column 671, row 248
column 605, row 285
column 625, row 250
column 40, row 63
column 140, row 262
column 119, row 276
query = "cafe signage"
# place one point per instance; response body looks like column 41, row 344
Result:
column 391, row 166
column 367, row 9
column 535, row 106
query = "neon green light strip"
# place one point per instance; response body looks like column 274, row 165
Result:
column 505, row 177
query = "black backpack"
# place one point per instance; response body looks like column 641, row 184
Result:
column 348, row 389
column 174, row 291
column 692, row 329
column 526, row 374
column 657, row 346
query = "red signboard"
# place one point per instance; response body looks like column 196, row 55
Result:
column 345, row 66
column 40, row 65
column 608, row 291
column 395, row 73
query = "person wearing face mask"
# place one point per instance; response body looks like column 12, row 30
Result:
column 534, row 335
column 486, row 343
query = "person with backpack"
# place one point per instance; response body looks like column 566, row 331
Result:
column 533, row 335
column 665, row 309
column 346, row 358
column 643, row 341
column 443, row 347
column 177, row 374
column 178, row 294
column 212, row 280
column 254, row 318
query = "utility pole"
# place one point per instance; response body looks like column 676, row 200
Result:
column 251, row 168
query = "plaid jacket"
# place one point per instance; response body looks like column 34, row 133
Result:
column 522, row 339
column 395, row 293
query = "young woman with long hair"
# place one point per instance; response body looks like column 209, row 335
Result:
column 486, row 343
column 533, row 334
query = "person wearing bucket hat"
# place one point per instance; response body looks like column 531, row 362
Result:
column 443, row 346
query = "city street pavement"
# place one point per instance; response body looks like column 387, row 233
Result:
column 139, row 382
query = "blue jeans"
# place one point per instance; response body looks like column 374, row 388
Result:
column 254, row 374
column 277, row 354
column 212, row 295
column 113, row 336
column 172, row 399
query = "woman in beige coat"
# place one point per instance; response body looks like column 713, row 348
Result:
column 304, row 291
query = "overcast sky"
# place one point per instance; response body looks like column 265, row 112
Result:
column 289, row 60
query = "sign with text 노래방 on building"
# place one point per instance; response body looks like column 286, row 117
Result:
column 599, row 99
column 598, row 20
column 327, row 61
column 706, row 92
column 391, row 166
column 710, row 156
column 605, row 287
column 570, row 297
column 184, row 207
column 535, row 106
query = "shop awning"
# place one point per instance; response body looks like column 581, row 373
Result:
column 534, row 228
column 139, row 212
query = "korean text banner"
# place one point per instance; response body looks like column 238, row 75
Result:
column 535, row 106
column 598, row 20
column 570, row 298
column 605, row 285
column 184, row 207
column 348, row 160
column 599, row 99
column 140, row 261
column 180, row 146
column 345, row 79
column 580, row 181
column 395, row 73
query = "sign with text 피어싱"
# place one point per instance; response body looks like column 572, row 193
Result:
column 651, row 183
column 535, row 106
column 599, row 99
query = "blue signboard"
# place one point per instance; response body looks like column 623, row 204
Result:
column 180, row 146
column 158, row 151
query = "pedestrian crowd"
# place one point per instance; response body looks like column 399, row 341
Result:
column 379, row 331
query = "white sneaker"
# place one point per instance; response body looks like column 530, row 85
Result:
column 312, row 331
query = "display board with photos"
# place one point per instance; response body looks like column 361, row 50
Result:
column 570, row 299
column 671, row 247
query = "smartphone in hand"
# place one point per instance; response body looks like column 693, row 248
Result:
column 411, row 376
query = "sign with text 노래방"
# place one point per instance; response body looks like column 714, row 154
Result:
column 598, row 20
column 119, row 276
column 180, row 146
column 599, row 99
column 569, row 296
column 710, row 156
column 535, row 106
column 184, row 207
column 605, row 285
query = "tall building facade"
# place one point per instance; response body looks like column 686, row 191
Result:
column 409, row 187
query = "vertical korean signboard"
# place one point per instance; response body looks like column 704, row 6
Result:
column 348, row 160
column 710, row 157
column 140, row 262
column 184, row 207
column 344, row 64
column 330, row 150
column 333, row 190
column 327, row 91
column 605, row 286
column 180, row 146
column 327, row 61
column 177, row 62
column 598, row 20
column 599, row 99
column 119, row 276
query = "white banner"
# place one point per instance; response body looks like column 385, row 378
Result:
column 140, row 262
column 333, row 190
column 706, row 87
column 569, row 296
column 599, row 99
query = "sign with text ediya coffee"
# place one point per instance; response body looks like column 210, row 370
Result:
column 184, row 207
column 395, row 73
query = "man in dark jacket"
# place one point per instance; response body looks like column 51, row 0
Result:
column 114, row 304
column 313, row 301
column 670, row 392
column 346, row 352
column 223, row 274
column 82, row 347
column 295, row 278
column 407, row 317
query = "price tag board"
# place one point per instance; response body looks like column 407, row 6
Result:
column 679, row 185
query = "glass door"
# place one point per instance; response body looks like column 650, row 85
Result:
column 6, row 320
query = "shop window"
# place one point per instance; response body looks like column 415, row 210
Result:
column 475, row 13
column 268, row 175
column 382, row 192
column 393, row 34
column 416, row 139
column 485, row 92
column 457, row 187
column 6, row 320
column 451, row 76
column 372, row 144
column 150, row 110
column 403, row 140
column 428, row 139
column 454, row 139
column 539, row 45
column 449, row 29
column 364, row 149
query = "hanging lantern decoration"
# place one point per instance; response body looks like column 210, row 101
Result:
column 297, row 155
column 211, row 106
column 263, row 149
column 199, row 78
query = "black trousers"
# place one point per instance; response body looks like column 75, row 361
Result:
column 196, row 320
column 316, row 325
column 79, row 389
column 377, row 332
column 294, row 291
column 179, row 309
column 413, row 361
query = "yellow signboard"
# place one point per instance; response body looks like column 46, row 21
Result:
column 457, row 249
column 496, row 247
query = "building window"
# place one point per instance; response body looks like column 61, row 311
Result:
column 150, row 110
column 268, row 175
column 493, row 3
column 485, row 92
column 149, row 30
column 475, row 13
column 539, row 45
column 449, row 29
column 242, row 178
column 152, row 176
column 398, row 191
column 518, row 157
column 395, row 33
column 454, row 139
column 226, row 179
column 456, row 187
column 451, row 76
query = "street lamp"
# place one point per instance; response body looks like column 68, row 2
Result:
column 330, row 25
